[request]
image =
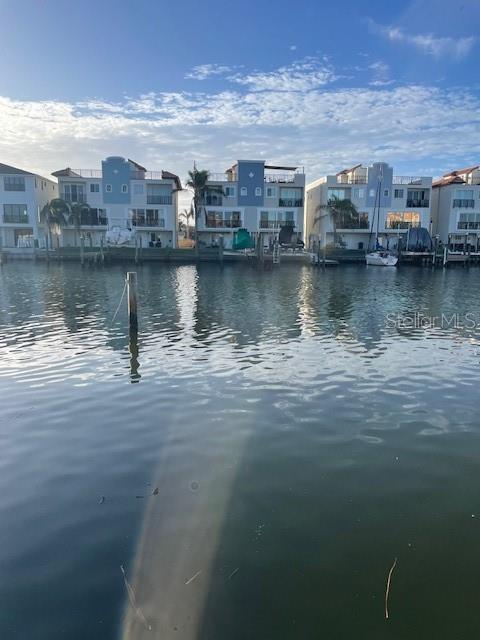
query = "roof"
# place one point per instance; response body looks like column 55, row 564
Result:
column 349, row 170
column 6, row 168
column 139, row 166
column 166, row 175
column 448, row 179
column 461, row 171
column 272, row 166
column 61, row 173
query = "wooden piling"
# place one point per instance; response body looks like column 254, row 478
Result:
column 220, row 249
column 82, row 250
column 260, row 256
column 102, row 255
column 136, row 249
column 445, row 255
column 132, row 299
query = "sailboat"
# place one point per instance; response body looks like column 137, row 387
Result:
column 378, row 257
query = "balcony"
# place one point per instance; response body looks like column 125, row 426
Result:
column 214, row 200
column 156, row 199
column 85, row 173
column 93, row 219
column 276, row 224
column 223, row 224
column 414, row 180
column 359, row 180
column 463, row 204
column 353, row 222
column 80, row 198
column 418, row 203
column 15, row 218
column 141, row 221
column 290, row 203
column 468, row 225
column 400, row 224
column 280, row 178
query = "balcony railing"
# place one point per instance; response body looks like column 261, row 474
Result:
column 460, row 203
column 80, row 198
column 92, row 219
column 148, row 222
column 358, row 180
column 353, row 223
column 407, row 180
column 280, row 177
column 285, row 202
column 418, row 203
column 276, row 224
column 15, row 218
column 223, row 224
column 398, row 224
column 214, row 201
column 468, row 225
column 86, row 173
column 154, row 199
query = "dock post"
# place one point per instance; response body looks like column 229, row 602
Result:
column 260, row 249
column 276, row 252
column 220, row 249
column 82, row 250
column 102, row 255
column 136, row 249
column 445, row 256
column 132, row 300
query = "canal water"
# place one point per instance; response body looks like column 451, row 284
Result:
column 255, row 462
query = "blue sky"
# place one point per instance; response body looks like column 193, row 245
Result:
column 321, row 85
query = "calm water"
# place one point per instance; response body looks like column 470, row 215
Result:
column 299, row 442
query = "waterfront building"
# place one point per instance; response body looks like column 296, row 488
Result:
column 22, row 196
column 255, row 196
column 122, row 196
column 456, row 208
column 401, row 203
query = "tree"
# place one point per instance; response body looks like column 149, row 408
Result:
column 186, row 214
column 54, row 216
column 78, row 210
column 198, row 183
column 338, row 210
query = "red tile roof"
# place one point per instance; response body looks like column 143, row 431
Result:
column 461, row 171
column 448, row 179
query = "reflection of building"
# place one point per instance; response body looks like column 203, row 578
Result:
column 252, row 195
column 402, row 202
column 124, row 195
column 22, row 196
column 456, row 206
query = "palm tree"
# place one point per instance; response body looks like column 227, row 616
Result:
column 54, row 216
column 186, row 215
column 74, row 217
column 338, row 210
column 198, row 179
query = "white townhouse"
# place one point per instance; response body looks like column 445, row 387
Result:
column 394, row 203
column 255, row 196
column 22, row 196
column 123, row 196
column 456, row 208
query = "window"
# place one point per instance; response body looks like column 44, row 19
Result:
column 243, row 191
column 339, row 194
column 14, row 184
column 15, row 213
column 398, row 193
column 94, row 187
column 385, row 193
column 148, row 217
column 124, row 188
column 74, row 192
column 359, row 194
column 159, row 194
column 229, row 192
column 138, row 189
column 223, row 219
column 418, row 198
column 372, row 193
column 258, row 191
column 271, row 192
column 276, row 219
column 108, row 188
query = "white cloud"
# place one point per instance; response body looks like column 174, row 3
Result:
column 381, row 74
column 204, row 71
column 322, row 130
column 302, row 75
column 436, row 46
column 293, row 47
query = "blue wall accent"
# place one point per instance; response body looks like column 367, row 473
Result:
column 116, row 171
column 246, row 179
column 374, row 172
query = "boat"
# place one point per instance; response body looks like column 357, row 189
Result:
column 381, row 259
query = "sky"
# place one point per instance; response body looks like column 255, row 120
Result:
column 307, row 83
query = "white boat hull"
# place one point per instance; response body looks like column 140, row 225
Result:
column 378, row 259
